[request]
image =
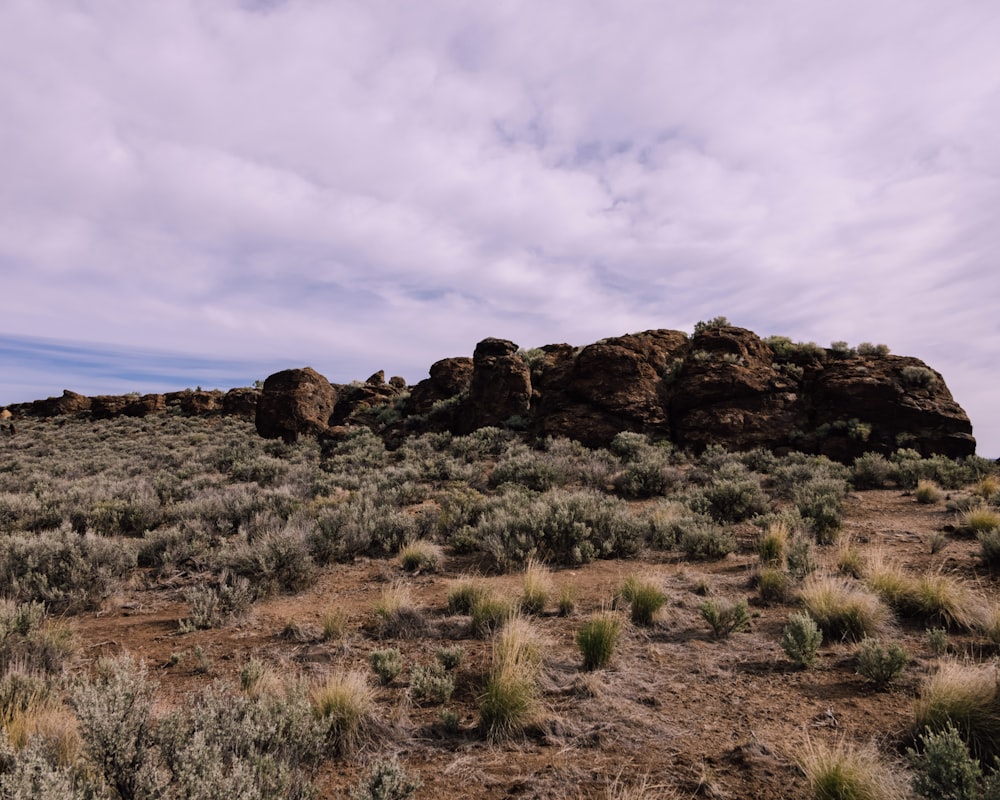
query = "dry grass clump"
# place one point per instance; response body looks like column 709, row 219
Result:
column 258, row 679
column 642, row 789
column 773, row 543
column 928, row 492
column 536, row 587
column 935, row 597
column 987, row 487
column 968, row 697
column 841, row 610
column 490, row 612
column 849, row 559
column 396, row 616
column 991, row 623
column 420, row 555
column 978, row 519
column 334, row 624
column 463, row 594
column 346, row 704
column 774, row 584
column 846, row 771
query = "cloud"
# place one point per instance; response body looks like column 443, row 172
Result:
column 386, row 183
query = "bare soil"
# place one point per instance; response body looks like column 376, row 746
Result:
column 697, row 716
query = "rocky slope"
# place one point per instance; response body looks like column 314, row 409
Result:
column 722, row 386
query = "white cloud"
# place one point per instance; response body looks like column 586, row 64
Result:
column 336, row 182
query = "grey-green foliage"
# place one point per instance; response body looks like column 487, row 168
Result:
column 531, row 469
column 559, row 526
column 730, row 497
column 214, row 605
column 881, row 665
column 820, row 502
column 702, row 539
column 431, row 684
column 943, row 768
column 872, row 471
column 386, row 664
column 29, row 774
column 66, row 571
column 801, row 639
column 115, row 711
column 386, row 780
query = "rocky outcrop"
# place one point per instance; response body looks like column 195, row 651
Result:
column 241, row 402
column 500, row 388
column 611, row 386
column 722, row 386
column 295, row 402
column 70, row 403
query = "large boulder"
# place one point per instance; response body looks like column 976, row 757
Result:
column 241, row 402
column 882, row 402
column 500, row 388
column 449, row 378
column 145, row 405
column 108, row 406
column 295, row 402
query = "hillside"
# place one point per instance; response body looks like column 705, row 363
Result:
column 247, row 575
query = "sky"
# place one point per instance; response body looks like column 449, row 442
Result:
column 203, row 193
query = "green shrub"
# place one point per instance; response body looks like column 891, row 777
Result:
column 701, row 540
column 801, row 639
column 989, row 547
column 725, row 619
column 645, row 598
column 597, row 639
column 881, row 665
column 820, row 502
column 944, row 769
column 979, row 519
column 872, row 471
column 731, row 499
column 800, row 558
column 560, row 527
column 276, row 557
column 213, row 606
column 114, row 710
column 386, row 780
column 937, row 640
column 531, row 469
column 918, row 376
column 386, row 664
column 451, row 657
column 431, row 684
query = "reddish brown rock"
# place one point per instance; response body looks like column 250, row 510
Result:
column 108, row 406
column 500, row 388
column 241, row 402
column 294, row 402
column 728, row 392
column 879, row 403
column 617, row 384
column 449, row 378
column 70, row 403
column 145, row 405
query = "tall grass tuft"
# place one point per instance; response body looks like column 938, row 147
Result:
column 345, row 704
column 510, row 698
column 645, row 598
column 843, row 611
column 597, row 639
column 845, row 771
column 966, row 696
column 536, row 587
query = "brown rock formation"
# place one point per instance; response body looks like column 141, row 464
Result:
column 241, row 402
column 294, row 402
column 145, row 405
column 69, row 403
column 500, row 388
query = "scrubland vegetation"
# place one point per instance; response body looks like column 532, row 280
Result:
column 486, row 623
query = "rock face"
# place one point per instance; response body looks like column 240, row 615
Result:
column 294, row 402
column 500, row 388
column 614, row 385
column 241, row 402
column 69, row 403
